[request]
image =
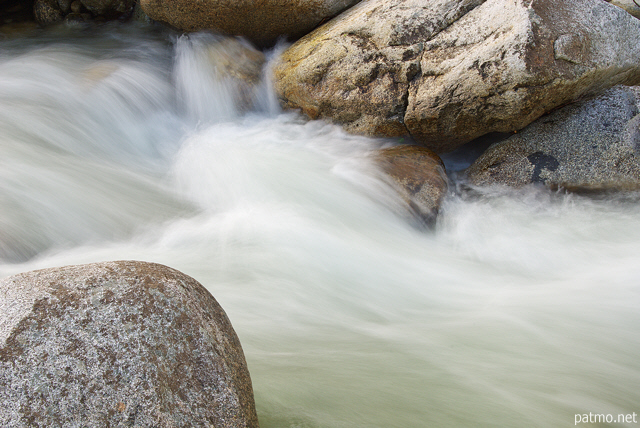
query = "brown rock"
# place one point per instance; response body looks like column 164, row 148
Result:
column 418, row 175
column 262, row 22
column 118, row 344
column 109, row 8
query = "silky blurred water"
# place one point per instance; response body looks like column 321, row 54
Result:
column 520, row 309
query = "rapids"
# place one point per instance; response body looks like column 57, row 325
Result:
column 520, row 309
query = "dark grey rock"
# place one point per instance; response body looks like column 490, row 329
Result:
column 64, row 5
column 591, row 145
column 109, row 8
column 118, row 344
column 139, row 15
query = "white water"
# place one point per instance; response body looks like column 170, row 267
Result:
column 521, row 309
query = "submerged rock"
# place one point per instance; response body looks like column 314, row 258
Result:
column 229, row 67
column 448, row 71
column 118, row 344
column 418, row 175
column 262, row 22
column 591, row 145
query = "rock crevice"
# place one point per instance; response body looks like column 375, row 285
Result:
column 458, row 69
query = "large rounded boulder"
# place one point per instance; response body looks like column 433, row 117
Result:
column 118, row 344
column 593, row 145
column 262, row 22
column 449, row 71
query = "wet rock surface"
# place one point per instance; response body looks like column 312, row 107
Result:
column 588, row 146
column 450, row 71
column 418, row 175
column 118, row 344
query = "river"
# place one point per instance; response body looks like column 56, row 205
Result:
column 521, row 308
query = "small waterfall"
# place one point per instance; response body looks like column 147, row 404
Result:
column 218, row 79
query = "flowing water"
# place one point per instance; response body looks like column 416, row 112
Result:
column 521, row 309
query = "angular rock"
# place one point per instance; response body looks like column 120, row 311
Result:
column 262, row 22
column 589, row 146
column 419, row 176
column 118, row 344
column 449, row 71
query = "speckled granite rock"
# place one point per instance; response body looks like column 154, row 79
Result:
column 449, row 71
column 47, row 12
column 592, row 145
column 118, row 344
column 419, row 176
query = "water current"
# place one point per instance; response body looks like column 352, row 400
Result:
column 521, row 308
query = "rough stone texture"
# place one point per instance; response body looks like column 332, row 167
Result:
column 449, row 71
column 628, row 5
column 109, row 8
column 64, row 5
column 47, row 12
column 139, row 15
column 261, row 21
column 118, row 344
column 591, row 145
column 419, row 176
